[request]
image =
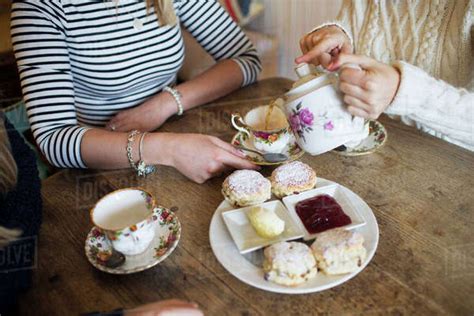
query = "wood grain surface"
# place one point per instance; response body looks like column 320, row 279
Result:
column 420, row 188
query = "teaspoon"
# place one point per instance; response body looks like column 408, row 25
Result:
column 269, row 157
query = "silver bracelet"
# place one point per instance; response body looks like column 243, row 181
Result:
column 141, row 168
column 177, row 97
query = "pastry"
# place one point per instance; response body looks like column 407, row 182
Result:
column 339, row 251
column 266, row 223
column 246, row 187
column 289, row 263
column 291, row 178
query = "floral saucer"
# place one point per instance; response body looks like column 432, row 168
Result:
column 292, row 150
column 167, row 235
column 376, row 139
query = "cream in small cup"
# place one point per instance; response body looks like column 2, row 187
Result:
column 126, row 219
column 266, row 126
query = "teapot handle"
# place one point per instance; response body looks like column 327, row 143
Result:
column 350, row 65
column 347, row 65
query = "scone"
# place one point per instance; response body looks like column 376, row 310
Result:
column 246, row 187
column 289, row 263
column 291, row 178
column 339, row 251
column 266, row 223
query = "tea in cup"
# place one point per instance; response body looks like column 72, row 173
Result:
column 266, row 126
column 126, row 219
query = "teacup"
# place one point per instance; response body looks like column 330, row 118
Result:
column 126, row 219
column 268, row 134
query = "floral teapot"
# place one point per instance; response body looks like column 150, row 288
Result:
column 317, row 114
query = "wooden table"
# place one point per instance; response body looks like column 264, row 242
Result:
column 419, row 187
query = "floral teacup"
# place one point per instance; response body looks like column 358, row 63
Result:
column 267, row 128
column 126, row 217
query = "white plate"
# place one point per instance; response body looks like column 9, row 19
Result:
column 349, row 206
column 245, row 236
column 247, row 268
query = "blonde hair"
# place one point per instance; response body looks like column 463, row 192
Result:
column 8, row 168
column 8, row 179
column 7, row 235
column 164, row 11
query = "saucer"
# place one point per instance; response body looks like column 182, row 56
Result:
column 376, row 139
column 167, row 235
column 292, row 150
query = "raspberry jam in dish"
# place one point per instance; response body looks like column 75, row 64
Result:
column 321, row 213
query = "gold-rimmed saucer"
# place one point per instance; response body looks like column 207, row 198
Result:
column 292, row 150
column 375, row 140
column 167, row 235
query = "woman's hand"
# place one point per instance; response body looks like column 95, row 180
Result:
column 146, row 117
column 199, row 157
column 320, row 47
column 367, row 92
column 166, row 308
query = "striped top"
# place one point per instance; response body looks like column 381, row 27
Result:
column 80, row 62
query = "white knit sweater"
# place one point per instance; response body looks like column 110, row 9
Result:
column 431, row 42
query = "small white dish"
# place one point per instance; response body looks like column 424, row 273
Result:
column 244, row 235
column 349, row 206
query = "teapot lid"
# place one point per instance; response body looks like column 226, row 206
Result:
column 309, row 80
column 304, row 69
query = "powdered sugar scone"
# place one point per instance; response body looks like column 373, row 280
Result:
column 246, row 187
column 291, row 178
column 289, row 263
column 339, row 251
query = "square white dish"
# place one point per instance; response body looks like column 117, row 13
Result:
column 348, row 205
column 244, row 235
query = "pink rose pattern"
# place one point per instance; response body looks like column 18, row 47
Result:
column 268, row 138
column 301, row 121
column 329, row 126
column 306, row 117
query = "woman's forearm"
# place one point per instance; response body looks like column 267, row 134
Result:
column 221, row 79
column 102, row 149
column 442, row 109
column 205, row 88
column 210, row 85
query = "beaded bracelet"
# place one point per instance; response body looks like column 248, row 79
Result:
column 141, row 168
column 177, row 97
